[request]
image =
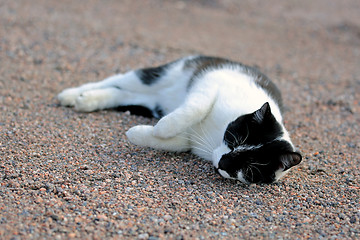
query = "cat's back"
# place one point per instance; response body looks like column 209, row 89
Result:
column 231, row 77
column 241, row 89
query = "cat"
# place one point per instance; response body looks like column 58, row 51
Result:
column 222, row 111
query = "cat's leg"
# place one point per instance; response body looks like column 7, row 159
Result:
column 111, row 97
column 119, row 90
column 147, row 80
column 69, row 96
column 142, row 135
column 195, row 108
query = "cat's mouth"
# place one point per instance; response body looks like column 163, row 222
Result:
column 224, row 174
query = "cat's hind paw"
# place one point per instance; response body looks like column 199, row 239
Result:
column 89, row 101
column 98, row 99
column 68, row 97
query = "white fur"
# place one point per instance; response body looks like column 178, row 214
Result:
column 224, row 174
column 240, row 176
column 280, row 173
column 218, row 153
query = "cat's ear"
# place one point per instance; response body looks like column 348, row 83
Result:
column 288, row 160
column 262, row 113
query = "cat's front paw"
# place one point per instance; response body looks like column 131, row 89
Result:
column 68, row 97
column 140, row 135
column 166, row 128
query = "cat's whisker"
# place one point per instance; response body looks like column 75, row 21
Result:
column 201, row 149
column 206, row 148
column 200, row 141
column 207, row 136
column 252, row 174
column 199, row 137
column 256, row 168
column 236, row 141
column 247, row 135
column 260, row 164
column 252, row 166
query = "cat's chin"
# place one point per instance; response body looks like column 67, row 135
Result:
column 280, row 173
column 240, row 176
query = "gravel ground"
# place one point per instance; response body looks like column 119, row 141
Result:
column 67, row 175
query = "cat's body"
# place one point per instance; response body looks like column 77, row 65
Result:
column 221, row 110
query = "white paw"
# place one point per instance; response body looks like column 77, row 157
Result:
column 140, row 135
column 68, row 96
column 86, row 102
column 165, row 128
column 92, row 100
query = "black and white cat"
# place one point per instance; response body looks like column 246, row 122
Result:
column 221, row 110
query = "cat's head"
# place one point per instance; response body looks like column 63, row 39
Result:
column 255, row 150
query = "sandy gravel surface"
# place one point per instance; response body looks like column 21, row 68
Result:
column 67, row 175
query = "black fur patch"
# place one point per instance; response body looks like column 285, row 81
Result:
column 250, row 130
column 202, row 64
column 136, row 110
column 158, row 112
column 265, row 83
column 150, row 76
